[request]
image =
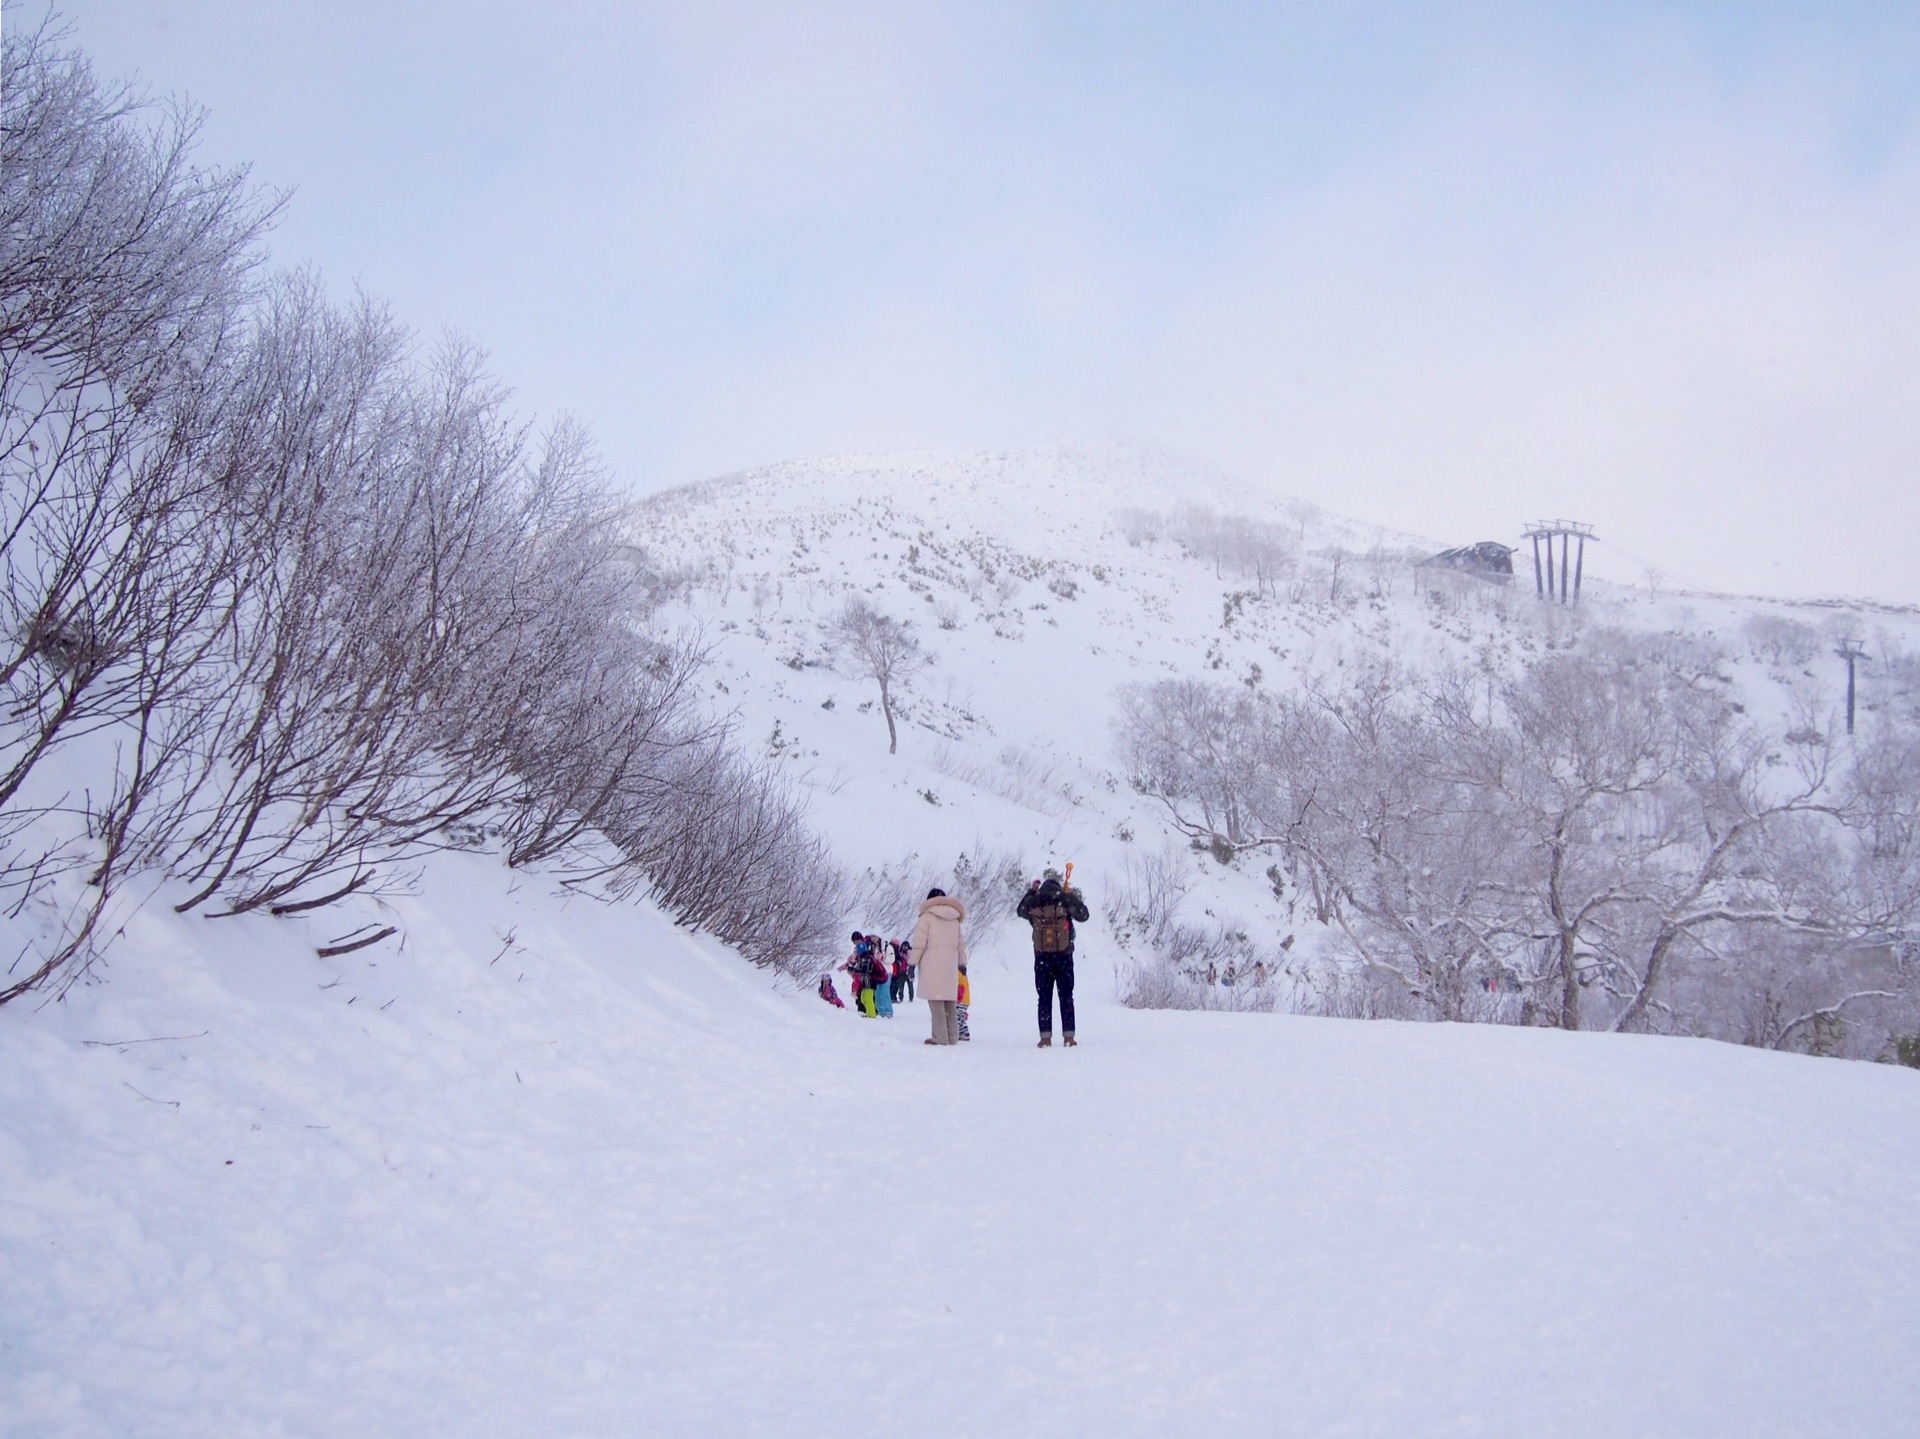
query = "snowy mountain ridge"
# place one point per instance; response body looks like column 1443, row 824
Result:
column 1043, row 584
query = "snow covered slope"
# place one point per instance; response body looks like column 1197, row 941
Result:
column 556, row 1168
column 538, row 1164
column 1044, row 581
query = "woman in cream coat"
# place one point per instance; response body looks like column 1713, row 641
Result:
column 940, row 949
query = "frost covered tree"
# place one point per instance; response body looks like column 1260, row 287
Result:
column 882, row 649
column 1603, row 837
column 125, row 274
column 1205, row 751
column 287, row 604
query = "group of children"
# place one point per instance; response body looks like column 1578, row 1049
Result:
column 880, row 973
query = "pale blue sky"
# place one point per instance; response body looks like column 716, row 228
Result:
column 1442, row 267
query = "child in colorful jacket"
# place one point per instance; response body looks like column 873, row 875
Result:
column 859, row 968
column 960, row 1006
column 903, row 966
column 881, row 977
column 829, row 993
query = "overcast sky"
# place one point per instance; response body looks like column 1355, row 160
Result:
column 1446, row 268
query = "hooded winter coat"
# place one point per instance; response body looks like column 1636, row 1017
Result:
column 939, row 948
column 1055, row 908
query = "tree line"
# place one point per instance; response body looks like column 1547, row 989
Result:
column 290, row 600
column 1603, row 839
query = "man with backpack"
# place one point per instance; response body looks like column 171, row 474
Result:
column 1051, row 908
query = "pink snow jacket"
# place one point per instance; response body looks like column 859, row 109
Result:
column 939, row 948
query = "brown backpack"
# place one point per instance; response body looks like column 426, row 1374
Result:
column 1052, row 929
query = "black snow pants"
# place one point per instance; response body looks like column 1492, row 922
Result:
column 1050, row 970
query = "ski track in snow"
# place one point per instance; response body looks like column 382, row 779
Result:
column 555, row 1167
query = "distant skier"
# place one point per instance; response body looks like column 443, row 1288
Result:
column 829, row 993
column 1051, row 908
column 940, row 948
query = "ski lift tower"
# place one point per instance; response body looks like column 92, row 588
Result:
column 1851, row 651
column 1573, row 561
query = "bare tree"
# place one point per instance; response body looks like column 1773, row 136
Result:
column 1572, row 749
column 313, row 606
column 1737, row 824
column 1201, row 750
column 884, row 650
column 124, row 274
column 1603, row 838
column 1393, row 846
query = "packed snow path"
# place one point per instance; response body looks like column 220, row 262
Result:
column 608, row 1184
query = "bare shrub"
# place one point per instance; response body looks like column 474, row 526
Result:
column 376, row 660
column 124, row 270
column 1359, row 994
column 1157, row 984
column 723, row 845
column 1178, row 964
column 1152, row 985
column 1235, row 545
column 988, row 879
column 1781, row 641
column 1147, row 898
column 311, row 606
column 1015, row 774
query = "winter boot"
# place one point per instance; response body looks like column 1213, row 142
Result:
column 1046, row 1042
column 1067, row 1039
